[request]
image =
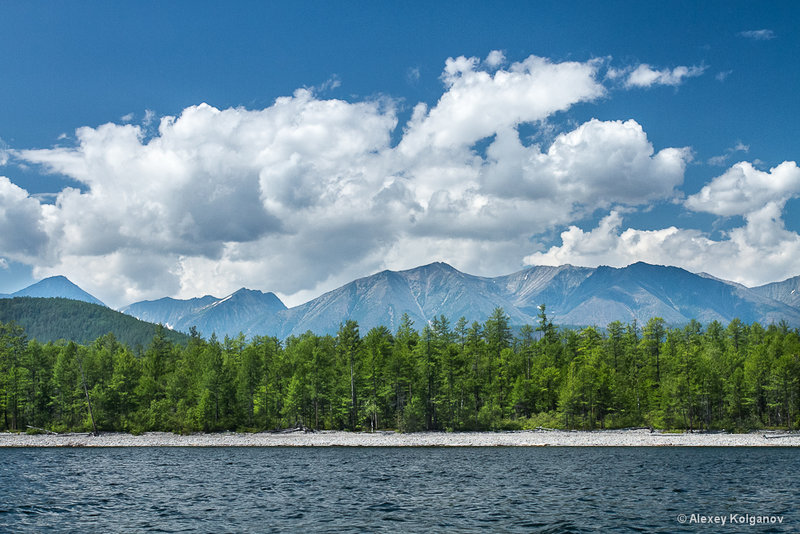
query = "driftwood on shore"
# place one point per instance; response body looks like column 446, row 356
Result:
column 292, row 430
column 782, row 436
column 42, row 430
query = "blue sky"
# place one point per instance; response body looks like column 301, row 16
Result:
column 186, row 148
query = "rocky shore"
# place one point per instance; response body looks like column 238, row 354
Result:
column 533, row 438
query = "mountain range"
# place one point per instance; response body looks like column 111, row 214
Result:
column 574, row 296
column 225, row 316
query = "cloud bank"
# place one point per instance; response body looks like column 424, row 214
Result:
column 761, row 251
column 309, row 193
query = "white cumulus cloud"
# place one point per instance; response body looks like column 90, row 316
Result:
column 597, row 164
column 645, row 76
column 478, row 103
column 743, row 189
column 23, row 236
column 495, row 59
column 609, row 244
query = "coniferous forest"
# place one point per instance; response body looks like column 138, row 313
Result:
column 443, row 376
column 51, row 319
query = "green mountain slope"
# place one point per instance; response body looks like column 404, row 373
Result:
column 51, row 319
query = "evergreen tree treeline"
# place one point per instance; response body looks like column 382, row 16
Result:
column 479, row 376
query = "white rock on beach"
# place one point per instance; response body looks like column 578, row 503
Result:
column 533, row 438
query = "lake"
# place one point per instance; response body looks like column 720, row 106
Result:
column 404, row 489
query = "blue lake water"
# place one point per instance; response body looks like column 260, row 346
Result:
column 550, row 489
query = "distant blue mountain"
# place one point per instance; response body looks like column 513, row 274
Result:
column 575, row 296
column 55, row 286
column 787, row 291
column 223, row 316
column 642, row 291
column 423, row 293
column 172, row 313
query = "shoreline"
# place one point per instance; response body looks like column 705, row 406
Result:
column 527, row 438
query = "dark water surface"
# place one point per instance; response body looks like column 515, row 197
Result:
column 546, row 489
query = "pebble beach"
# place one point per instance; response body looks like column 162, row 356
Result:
column 532, row 438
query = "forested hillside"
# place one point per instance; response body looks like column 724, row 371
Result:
column 51, row 319
column 442, row 377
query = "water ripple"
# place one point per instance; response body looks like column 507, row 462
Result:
column 547, row 490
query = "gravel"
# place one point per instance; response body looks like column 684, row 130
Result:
column 532, row 438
